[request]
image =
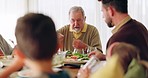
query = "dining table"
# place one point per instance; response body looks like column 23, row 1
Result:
column 70, row 66
column 72, row 69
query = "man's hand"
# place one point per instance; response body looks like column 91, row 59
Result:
column 60, row 36
column 79, row 44
column 98, row 54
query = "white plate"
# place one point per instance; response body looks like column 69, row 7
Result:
column 60, row 65
column 1, row 64
column 6, row 62
column 56, row 69
column 25, row 73
column 73, row 61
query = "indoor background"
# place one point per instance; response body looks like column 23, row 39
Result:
column 11, row 10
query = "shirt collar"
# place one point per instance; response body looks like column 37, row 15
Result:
column 84, row 28
column 125, row 20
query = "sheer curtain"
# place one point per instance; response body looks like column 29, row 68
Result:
column 138, row 10
column 10, row 10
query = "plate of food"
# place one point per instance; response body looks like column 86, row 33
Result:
column 58, row 66
column 6, row 62
column 75, row 58
column 73, row 61
column 1, row 64
column 56, row 69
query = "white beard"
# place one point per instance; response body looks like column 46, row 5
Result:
column 76, row 30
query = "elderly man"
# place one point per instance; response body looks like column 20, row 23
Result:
column 78, row 34
column 115, row 13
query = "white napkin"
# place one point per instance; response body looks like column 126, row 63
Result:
column 1, row 64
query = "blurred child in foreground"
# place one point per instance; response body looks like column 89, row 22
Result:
column 37, row 40
column 19, row 57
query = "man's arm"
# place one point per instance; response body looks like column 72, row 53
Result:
column 95, row 41
column 5, row 47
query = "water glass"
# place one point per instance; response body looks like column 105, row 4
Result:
column 58, row 59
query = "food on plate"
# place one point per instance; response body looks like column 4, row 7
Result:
column 76, row 55
column 68, row 53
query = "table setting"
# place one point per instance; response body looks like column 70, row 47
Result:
column 67, row 60
column 6, row 60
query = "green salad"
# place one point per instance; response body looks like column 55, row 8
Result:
column 78, row 55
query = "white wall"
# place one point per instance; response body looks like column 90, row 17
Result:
column 10, row 10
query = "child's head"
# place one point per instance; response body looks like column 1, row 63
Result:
column 125, row 51
column 36, row 36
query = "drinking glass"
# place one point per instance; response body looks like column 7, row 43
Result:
column 75, row 51
column 58, row 58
